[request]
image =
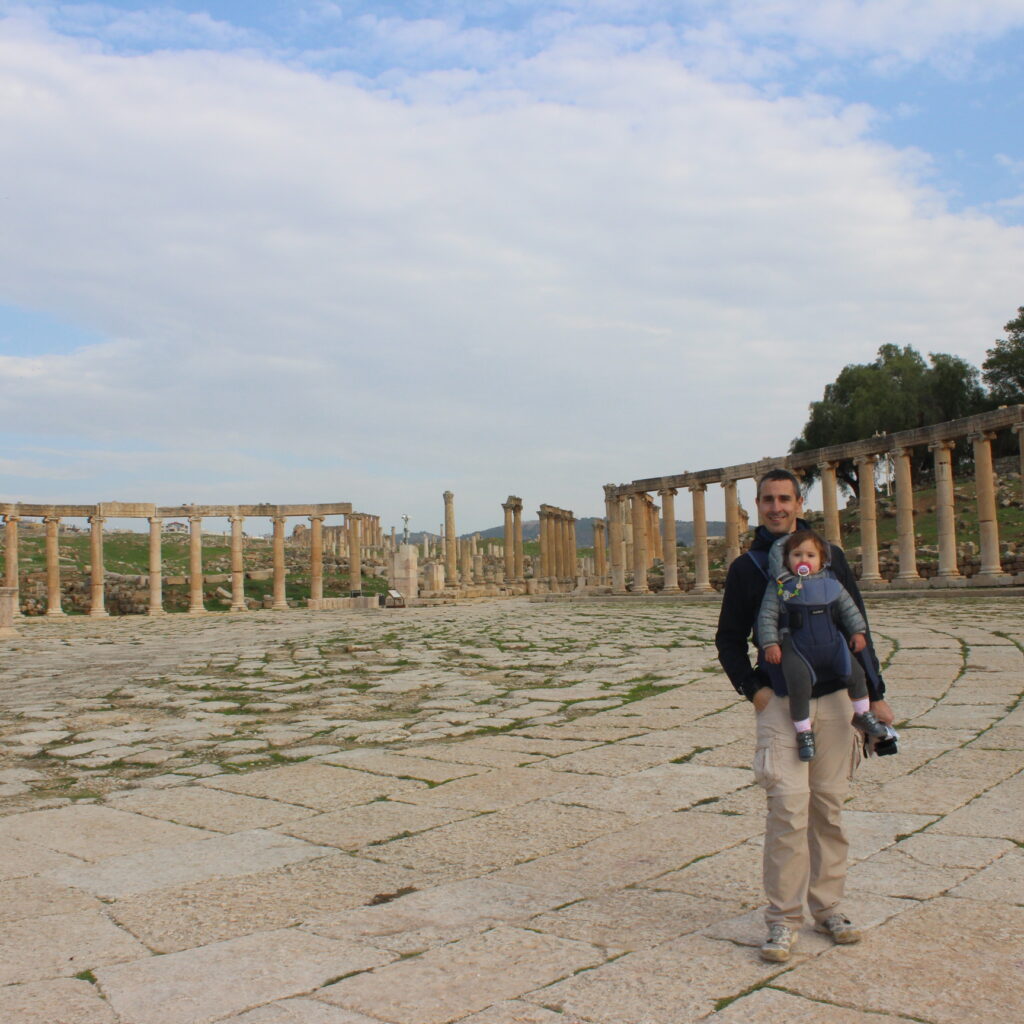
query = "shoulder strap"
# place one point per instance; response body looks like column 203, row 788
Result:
column 760, row 559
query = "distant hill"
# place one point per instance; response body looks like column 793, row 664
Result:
column 584, row 532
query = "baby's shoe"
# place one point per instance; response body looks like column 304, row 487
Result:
column 805, row 745
column 870, row 726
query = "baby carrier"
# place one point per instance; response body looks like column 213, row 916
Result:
column 810, row 613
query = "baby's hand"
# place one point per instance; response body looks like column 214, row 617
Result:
column 773, row 654
column 857, row 643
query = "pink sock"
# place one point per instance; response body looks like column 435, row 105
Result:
column 860, row 706
column 804, row 725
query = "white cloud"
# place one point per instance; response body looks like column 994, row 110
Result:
column 589, row 264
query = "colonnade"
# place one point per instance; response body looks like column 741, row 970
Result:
column 557, row 544
column 627, row 505
column 513, row 536
column 97, row 515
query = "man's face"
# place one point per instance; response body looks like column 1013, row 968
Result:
column 778, row 506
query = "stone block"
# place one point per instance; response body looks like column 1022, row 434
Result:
column 494, row 790
column 57, row 1001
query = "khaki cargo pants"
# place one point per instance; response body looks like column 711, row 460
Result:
column 805, row 848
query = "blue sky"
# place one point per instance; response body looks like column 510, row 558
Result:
column 370, row 251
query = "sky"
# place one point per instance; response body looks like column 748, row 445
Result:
column 318, row 251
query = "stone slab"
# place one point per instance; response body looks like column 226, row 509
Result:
column 453, row 981
column 494, row 790
column 770, row 1006
column 210, row 982
column 514, row 1011
column 18, row 859
column 22, row 898
column 238, row 853
column 733, row 875
column 320, row 786
column 400, row 766
column 998, row 813
column 92, row 832
column 211, row 809
column 62, row 945
column 57, row 1001
column 299, row 1011
column 1000, row 882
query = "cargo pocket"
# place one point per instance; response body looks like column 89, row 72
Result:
column 856, row 753
column 766, row 773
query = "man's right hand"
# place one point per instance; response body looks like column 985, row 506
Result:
column 762, row 698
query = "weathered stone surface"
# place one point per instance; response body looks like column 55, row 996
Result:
column 58, row 1001
column 733, row 875
column 62, row 945
column 922, row 976
column 456, row 980
column 299, row 1011
column 239, row 853
column 998, row 813
column 18, row 859
column 384, row 762
column 514, row 1011
column 22, row 898
column 319, row 786
column 494, row 790
column 92, row 832
column 210, row 982
column 1001, row 882
column 770, row 1006
column 211, row 809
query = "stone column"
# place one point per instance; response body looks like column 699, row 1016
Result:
column 868, row 519
column 567, row 568
column 1018, row 429
column 355, row 556
column 616, row 543
column 600, row 558
column 53, row 607
column 156, row 579
column 637, row 506
column 829, row 502
column 905, row 515
column 510, row 544
column 627, row 530
column 316, row 557
column 544, row 542
column 237, row 563
column 702, row 578
column 574, row 548
column 97, row 605
column 11, row 558
column 945, row 507
column 195, row 562
column 984, row 484
column 451, row 572
column 732, row 522
column 668, row 540
column 654, row 534
column 517, row 532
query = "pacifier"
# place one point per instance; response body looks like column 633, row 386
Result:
column 803, row 569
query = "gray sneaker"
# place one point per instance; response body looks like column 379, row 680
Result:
column 840, row 928
column 778, row 944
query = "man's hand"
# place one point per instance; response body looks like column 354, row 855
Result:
column 773, row 654
column 858, row 642
column 762, row 698
column 879, row 708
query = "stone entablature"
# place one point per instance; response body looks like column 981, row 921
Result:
column 629, row 530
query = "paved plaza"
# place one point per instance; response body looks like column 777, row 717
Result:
column 493, row 813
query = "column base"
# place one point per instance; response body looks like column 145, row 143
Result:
column 671, row 590
column 196, row 611
column 56, row 613
column 909, row 583
column 238, row 608
column 155, row 612
column 703, row 590
column 873, row 584
column 990, row 579
column 100, row 614
column 947, row 582
column 279, row 607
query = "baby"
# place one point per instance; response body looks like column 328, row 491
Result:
column 796, row 628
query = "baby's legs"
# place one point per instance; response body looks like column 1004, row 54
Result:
column 857, row 687
column 798, row 683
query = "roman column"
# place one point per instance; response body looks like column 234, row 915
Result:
column 732, row 522
column 11, row 558
column 316, row 558
column 517, row 533
column 53, row 607
column 355, row 555
column 702, row 578
column 237, row 563
column 627, row 530
column 616, row 544
column 829, row 502
column 97, row 609
column 668, row 540
column 195, row 605
column 905, row 515
column 574, row 548
column 868, row 519
column 156, row 579
column 510, row 544
column 984, row 485
column 945, row 507
column 600, row 558
column 639, row 547
column 451, row 572
column 1018, row 429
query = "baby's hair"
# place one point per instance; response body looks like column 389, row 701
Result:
column 797, row 538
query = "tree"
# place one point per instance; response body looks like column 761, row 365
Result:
column 1003, row 368
column 898, row 391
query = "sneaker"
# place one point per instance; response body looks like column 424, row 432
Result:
column 840, row 928
column 778, row 944
column 870, row 726
column 805, row 745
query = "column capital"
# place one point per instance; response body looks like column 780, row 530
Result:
column 1018, row 428
column 865, row 460
column 236, row 517
column 51, row 519
column 97, row 518
column 315, row 518
column 155, row 520
column 11, row 517
column 981, row 435
column 667, row 490
column 193, row 518
column 694, row 488
column 946, row 444
column 828, row 464
column 901, row 451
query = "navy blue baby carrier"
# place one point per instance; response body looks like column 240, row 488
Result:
column 810, row 612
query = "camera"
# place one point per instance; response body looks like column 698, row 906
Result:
column 885, row 746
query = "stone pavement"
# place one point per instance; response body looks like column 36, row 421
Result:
column 503, row 813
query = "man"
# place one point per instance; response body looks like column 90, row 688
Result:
column 805, row 849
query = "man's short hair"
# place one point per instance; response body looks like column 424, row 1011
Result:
column 780, row 474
